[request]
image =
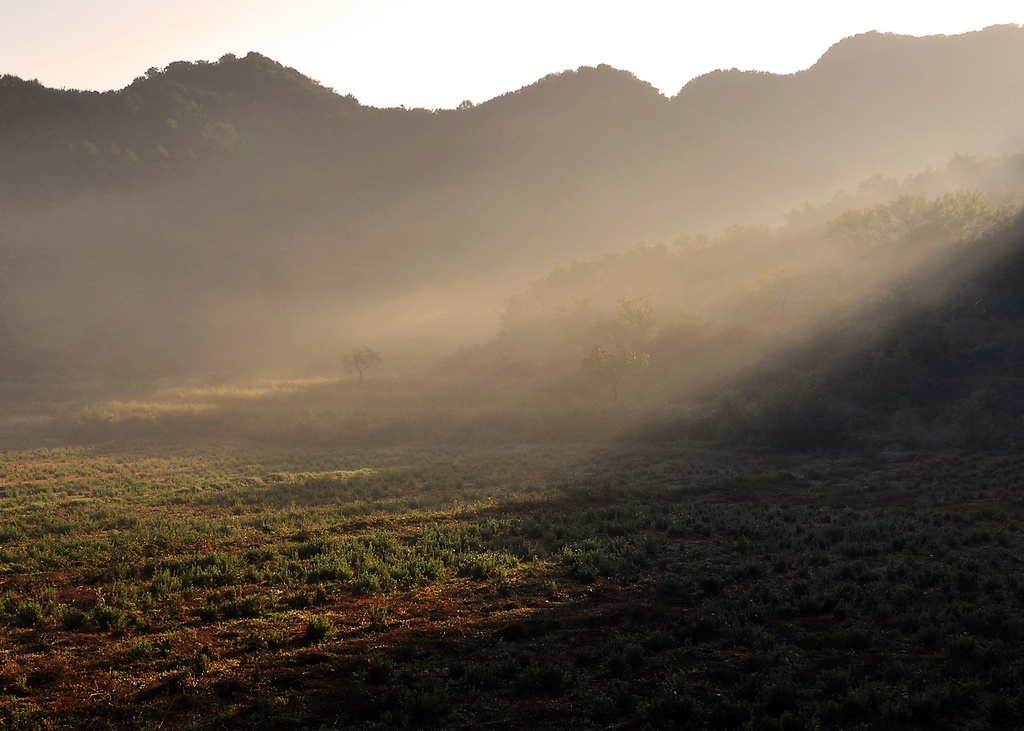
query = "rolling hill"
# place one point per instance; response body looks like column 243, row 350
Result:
column 237, row 216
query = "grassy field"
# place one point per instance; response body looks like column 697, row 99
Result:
column 154, row 583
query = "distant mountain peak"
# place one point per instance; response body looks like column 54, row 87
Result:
column 230, row 73
column 876, row 46
column 591, row 88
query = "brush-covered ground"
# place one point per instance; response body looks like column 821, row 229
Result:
column 163, row 584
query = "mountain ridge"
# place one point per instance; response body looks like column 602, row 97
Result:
column 244, row 181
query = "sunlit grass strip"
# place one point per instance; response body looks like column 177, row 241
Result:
column 187, row 401
column 148, row 410
column 235, row 392
column 306, row 477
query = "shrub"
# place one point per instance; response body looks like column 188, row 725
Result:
column 201, row 662
column 73, row 618
column 108, row 618
column 28, row 614
column 803, row 418
column 319, row 629
column 9, row 531
column 379, row 669
column 549, row 679
column 422, row 700
column 141, row 649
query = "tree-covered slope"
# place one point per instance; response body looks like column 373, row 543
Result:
column 238, row 212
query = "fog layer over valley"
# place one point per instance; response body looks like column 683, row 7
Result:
column 218, row 222
column 583, row 406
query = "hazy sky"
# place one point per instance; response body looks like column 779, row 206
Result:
column 435, row 53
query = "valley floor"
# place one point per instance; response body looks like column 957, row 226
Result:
column 602, row 586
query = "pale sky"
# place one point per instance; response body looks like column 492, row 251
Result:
column 436, row 53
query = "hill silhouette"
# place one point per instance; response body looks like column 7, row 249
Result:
column 238, row 215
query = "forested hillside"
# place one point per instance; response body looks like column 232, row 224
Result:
column 236, row 216
column 885, row 318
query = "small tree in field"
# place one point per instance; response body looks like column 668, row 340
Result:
column 362, row 360
column 612, row 367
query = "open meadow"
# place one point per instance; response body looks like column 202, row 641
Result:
column 152, row 582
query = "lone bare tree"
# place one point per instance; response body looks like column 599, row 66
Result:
column 612, row 367
column 362, row 360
